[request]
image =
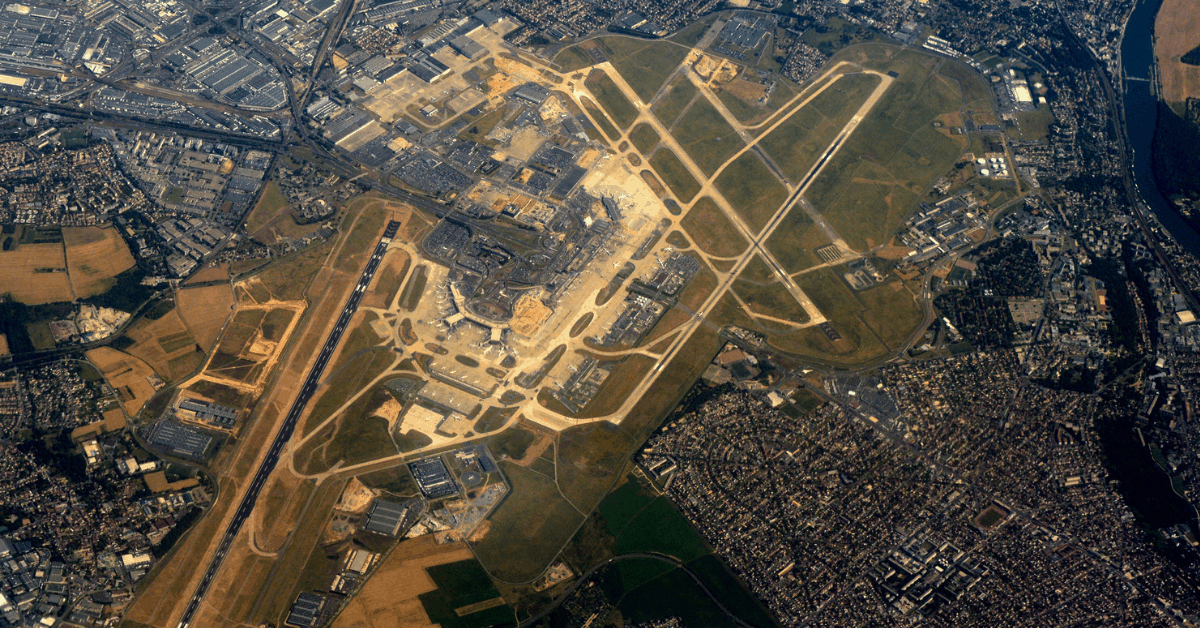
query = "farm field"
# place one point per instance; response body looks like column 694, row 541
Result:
column 391, row 598
column 1177, row 32
column 129, row 376
column 35, row 274
column 95, row 256
column 162, row 340
column 204, row 311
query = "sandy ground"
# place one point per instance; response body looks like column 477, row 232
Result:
column 1177, row 31
column 389, row 599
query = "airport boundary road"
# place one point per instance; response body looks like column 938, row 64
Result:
column 289, row 425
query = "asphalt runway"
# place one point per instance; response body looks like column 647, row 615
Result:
column 289, row 425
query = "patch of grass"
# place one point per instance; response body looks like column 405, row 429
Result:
column 753, row 191
column 644, row 138
column 758, row 286
column 288, row 278
column 415, row 288
column 268, row 207
column 601, row 120
column 590, row 458
column 360, row 439
column 690, row 35
column 572, row 58
column 891, row 312
column 798, row 143
column 344, row 382
column 706, row 136
column 672, row 171
column 396, row 480
column 795, row 241
column 528, row 528
column 611, row 98
column 836, row 34
column 645, row 65
column 711, row 230
column 674, row 100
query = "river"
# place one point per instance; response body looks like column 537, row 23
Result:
column 1141, row 116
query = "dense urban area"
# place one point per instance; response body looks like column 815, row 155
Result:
column 362, row 313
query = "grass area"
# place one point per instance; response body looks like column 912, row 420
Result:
column 590, row 458
column 415, row 288
column 875, row 181
column 795, row 242
column 758, row 286
column 712, row 231
column 752, row 190
column 462, row 584
column 674, row 100
column 612, row 99
column 344, row 382
column 837, row 303
column 528, row 528
column 644, row 64
column 396, row 480
column 799, row 142
column 706, row 136
column 690, row 35
column 268, row 207
column 481, row 126
column 672, row 171
column 892, row 312
column 360, row 439
column 288, row 279
column 601, row 120
column 1034, row 125
column 572, row 58
column 644, row 138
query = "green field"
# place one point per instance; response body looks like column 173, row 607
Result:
column 706, row 136
column 644, row 138
column 674, row 100
column 674, row 174
column 758, row 286
column 572, row 58
column 462, row 584
column 590, row 458
column 798, row 143
column 838, row 304
column 344, row 382
column 528, row 528
column 602, row 122
column 645, row 65
column 795, row 241
column 611, row 98
column 752, row 190
column 711, row 230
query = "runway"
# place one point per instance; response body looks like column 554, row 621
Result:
column 289, row 424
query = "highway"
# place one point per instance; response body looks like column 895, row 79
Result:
column 289, row 426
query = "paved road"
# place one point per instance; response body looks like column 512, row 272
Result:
column 289, row 425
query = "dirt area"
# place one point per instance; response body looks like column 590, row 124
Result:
column 529, row 313
column 35, row 273
column 1176, row 32
column 95, row 256
column 389, row 599
column 356, row 497
column 130, row 377
column 204, row 311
